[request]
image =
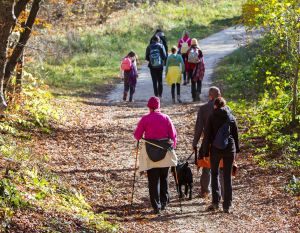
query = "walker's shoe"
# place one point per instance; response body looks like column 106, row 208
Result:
column 124, row 96
column 212, row 207
column 184, row 83
column 226, row 211
column 178, row 99
column 163, row 207
column 204, row 195
column 198, row 96
column 156, row 211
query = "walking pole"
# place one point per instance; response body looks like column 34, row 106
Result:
column 177, row 187
column 136, row 155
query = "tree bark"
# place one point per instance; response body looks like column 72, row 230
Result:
column 7, row 21
column 295, row 84
column 19, row 73
column 19, row 7
column 24, row 37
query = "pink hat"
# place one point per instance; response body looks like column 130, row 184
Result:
column 153, row 103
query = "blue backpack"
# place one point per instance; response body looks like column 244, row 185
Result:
column 155, row 57
column 222, row 136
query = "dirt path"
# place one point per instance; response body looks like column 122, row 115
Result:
column 92, row 151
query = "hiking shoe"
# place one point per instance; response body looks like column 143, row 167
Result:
column 226, row 211
column 212, row 207
column 204, row 194
column 156, row 211
column 184, row 83
column 163, row 207
column 178, row 99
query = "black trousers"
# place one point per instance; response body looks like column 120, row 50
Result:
column 216, row 156
column 158, row 187
column 177, row 85
column 156, row 74
column 196, row 86
column 184, row 58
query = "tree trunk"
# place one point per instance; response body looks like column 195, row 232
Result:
column 295, row 84
column 25, row 35
column 19, row 73
column 7, row 21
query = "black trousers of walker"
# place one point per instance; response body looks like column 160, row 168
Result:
column 156, row 74
column 215, row 157
column 196, row 86
column 177, row 85
column 158, row 187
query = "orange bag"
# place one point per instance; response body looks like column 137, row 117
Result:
column 205, row 163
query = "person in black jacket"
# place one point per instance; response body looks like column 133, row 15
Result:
column 156, row 55
column 220, row 116
column 162, row 39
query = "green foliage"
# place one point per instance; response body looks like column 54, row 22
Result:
column 259, row 84
column 32, row 108
column 281, row 21
column 294, row 186
column 91, row 57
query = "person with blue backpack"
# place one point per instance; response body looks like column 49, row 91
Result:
column 156, row 56
column 220, row 141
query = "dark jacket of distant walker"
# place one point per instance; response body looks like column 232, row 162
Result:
column 161, row 48
column 214, row 122
column 204, row 112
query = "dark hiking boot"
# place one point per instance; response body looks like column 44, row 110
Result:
column 131, row 98
column 197, row 97
column 204, row 194
column 124, row 96
column 212, row 207
column 226, row 211
column 178, row 99
column 184, row 83
column 156, row 211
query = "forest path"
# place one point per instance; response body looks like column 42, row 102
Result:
column 92, row 150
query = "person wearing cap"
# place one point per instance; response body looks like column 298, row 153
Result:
column 195, row 57
column 156, row 126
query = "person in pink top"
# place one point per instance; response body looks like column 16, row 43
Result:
column 156, row 126
column 184, row 44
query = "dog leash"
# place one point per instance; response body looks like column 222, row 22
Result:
column 190, row 156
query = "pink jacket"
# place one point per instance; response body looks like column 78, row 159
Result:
column 156, row 125
column 184, row 39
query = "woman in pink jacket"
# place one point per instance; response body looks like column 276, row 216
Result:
column 158, row 132
column 184, row 44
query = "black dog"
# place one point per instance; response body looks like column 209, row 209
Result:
column 185, row 177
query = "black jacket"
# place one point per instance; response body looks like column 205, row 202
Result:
column 163, row 40
column 204, row 112
column 214, row 122
column 161, row 48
